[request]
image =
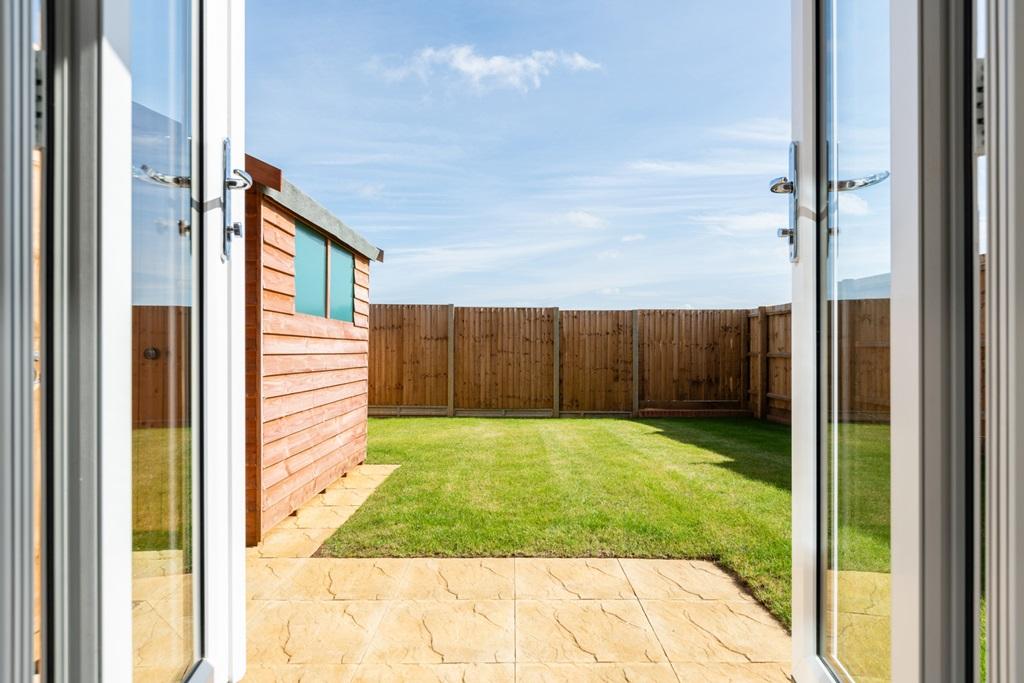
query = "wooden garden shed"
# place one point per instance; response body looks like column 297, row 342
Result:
column 307, row 335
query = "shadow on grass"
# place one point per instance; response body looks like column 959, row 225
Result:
column 756, row 450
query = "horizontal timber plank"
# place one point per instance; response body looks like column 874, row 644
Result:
column 290, row 424
column 302, row 325
column 282, row 344
column 310, row 473
column 278, row 260
column 280, row 303
column 279, row 239
column 289, row 365
column 281, row 468
column 283, row 406
column 278, row 282
column 292, row 444
column 287, row 385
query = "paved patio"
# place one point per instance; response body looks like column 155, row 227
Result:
column 493, row 619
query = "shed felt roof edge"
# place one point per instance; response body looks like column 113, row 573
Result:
column 307, row 208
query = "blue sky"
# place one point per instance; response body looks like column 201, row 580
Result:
column 573, row 154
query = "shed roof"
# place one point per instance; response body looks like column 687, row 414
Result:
column 270, row 181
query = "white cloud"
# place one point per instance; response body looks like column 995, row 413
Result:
column 608, row 255
column 634, row 237
column 723, row 167
column 757, row 130
column 585, row 220
column 428, row 262
column 522, row 72
column 745, row 223
column 852, row 205
column 609, row 291
column 369, row 190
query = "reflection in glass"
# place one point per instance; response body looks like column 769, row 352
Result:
column 163, row 323
column 856, row 445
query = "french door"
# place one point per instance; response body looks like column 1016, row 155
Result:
column 122, row 310
column 880, row 192
column 186, row 299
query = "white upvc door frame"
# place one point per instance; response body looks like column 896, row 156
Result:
column 808, row 666
column 223, row 341
column 1004, row 438
column 931, row 352
column 90, row 323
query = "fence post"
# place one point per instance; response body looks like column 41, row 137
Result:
column 557, row 362
column 762, row 363
column 451, row 360
column 636, row 363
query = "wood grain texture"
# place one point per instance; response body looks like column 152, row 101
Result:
column 306, row 385
column 254, row 305
column 408, row 355
column 161, row 382
column 691, row 359
column 597, row 361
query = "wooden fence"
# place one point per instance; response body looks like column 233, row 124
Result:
column 161, row 370
column 443, row 360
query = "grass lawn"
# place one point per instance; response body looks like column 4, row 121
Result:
column 715, row 489
column 161, row 488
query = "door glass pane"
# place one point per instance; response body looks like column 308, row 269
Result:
column 164, row 310
column 855, row 526
column 342, row 282
column 310, row 272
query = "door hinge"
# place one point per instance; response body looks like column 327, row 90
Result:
column 39, row 92
column 980, row 137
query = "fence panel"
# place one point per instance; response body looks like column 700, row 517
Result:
column 596, row 361
column 504, row 358
column 442, row 360
column 161, row 348
column 779, row 391
column 692, row 359
column 408, row 355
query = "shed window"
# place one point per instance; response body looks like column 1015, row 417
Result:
column 342, row 291
column 324, row 276
column 310, row 271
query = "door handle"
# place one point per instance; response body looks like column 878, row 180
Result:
column 150, row 175
column 857, row 183
column 783, row 185
column 234, row 179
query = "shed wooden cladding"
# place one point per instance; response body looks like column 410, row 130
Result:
column 306, row 376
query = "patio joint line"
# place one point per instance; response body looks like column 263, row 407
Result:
column 388, row 605
column 650, row 623
column 515, row 618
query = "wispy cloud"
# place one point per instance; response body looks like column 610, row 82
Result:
column 369, row 190
column 723, row 167
column 519, row 72
column 757, row 130
column 633, row 237
column 852, row 205
column 585, row 220
column 764, row 222
column 475, row 257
